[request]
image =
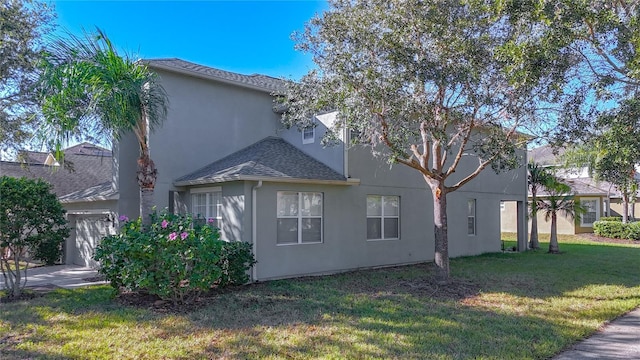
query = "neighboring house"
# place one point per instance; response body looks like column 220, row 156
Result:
column 85, row 166
column 599, row 198
column 222, row 154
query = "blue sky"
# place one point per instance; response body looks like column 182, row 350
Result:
column 241, row 36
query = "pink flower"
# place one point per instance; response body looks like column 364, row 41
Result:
column 184, row 235
column 173, row 236
column 123, row 218
column 211, row 220
column 164, row 224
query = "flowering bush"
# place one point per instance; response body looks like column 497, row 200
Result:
column 171, row 258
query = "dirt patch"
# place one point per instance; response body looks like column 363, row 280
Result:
column 600, row 239
column 98, row 278
column 156, row 304
column 29, row 293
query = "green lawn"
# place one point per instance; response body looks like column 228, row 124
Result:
column 521, row 306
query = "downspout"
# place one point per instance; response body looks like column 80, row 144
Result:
column 346, row 143
column 609, row 200
column 254, row 230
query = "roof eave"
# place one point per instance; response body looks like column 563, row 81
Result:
column 206, row 76
column 91, row 198
column 215, row 180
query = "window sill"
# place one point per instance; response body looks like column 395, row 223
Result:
column 304, row 243
column 386, row 239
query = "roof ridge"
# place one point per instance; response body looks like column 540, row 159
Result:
column 256, row 160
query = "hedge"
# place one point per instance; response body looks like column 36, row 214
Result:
column 616, row 229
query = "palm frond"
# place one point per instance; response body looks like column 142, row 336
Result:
column 90, row 90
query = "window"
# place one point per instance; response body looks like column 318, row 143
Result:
column 591, row 214
column 299, row 217
column 308, row 134
column 383, row 217
column 206, row 206
column 471, row 217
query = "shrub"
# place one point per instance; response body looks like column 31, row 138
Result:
column 611, row 218
column 610, row 229
column 32, row 223
column 634, row 231
column 49, row 251
column 171, row 258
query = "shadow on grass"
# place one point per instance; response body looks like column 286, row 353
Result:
column 507, row 311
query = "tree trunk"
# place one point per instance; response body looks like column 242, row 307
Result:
column 17, row 288
column 441, row 236
column 146, row 174
column 625, row 208
column 533, row 239
column 553, row 241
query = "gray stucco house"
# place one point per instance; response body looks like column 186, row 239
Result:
column 223, row 154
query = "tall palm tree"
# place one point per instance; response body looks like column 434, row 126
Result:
column 89, row 91
column 561, row 201
column 537, row 177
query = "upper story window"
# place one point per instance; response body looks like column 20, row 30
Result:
column 299, row 216
column 309, row 135
column 206, row 206
column 383, row 217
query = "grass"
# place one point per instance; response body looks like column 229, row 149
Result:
column 523, row 306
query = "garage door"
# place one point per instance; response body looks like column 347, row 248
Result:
column 89, row 230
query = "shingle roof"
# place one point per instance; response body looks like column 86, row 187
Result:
column 580, row 187
column 103, row 191
column 33, row 157
column 544, row 155
column 270, row 159
column 86, row 171
column 87, row 149
column 256, row 81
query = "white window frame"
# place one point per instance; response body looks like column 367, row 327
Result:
column 301, row 217
column 210, row 191
column 471, row 214
column 597, row 201
column 309, row 130
column 384, row 216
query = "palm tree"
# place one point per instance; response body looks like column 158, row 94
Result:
column 537, row 177
column 561, row 201
column 89, row 91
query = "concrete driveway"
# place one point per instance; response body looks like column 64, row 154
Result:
column 64, row 276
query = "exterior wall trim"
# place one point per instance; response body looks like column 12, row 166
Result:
column 89, row 212
column 205, row 190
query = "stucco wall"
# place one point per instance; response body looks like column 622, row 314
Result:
column 488, row 188
column 206, row 121
column 565, row 225
column 332, row 156
column 616, row 208
column 344, row 243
